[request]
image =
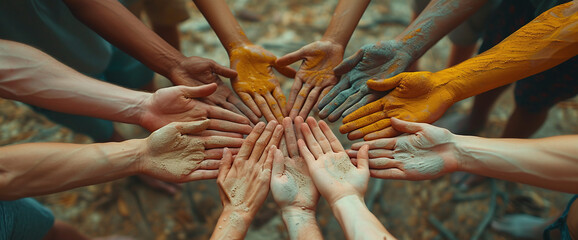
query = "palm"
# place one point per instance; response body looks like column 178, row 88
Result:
column 295, row 187
column 334, row 173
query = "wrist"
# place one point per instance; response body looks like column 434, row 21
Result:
column 136, row 149
column 144, row 110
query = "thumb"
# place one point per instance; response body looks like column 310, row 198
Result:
column 289, row 58
column 286, row 71
column 192, row 127
column 405, row 126
column 363, row 158
column 278, row 164
column 224, row 71
column 385, row 84
column 349, row 63
column 199, row 91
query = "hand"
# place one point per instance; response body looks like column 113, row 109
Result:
column 244, row 181
column 416, row 97
column 174, row 154
column 196, row 71
column 427, row 153
column 315, row 76
column 372, row 61
column 256, row 83
column 179, row 104
column 291, row 184
column 333, row 173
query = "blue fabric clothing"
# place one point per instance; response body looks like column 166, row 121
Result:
column 560, row 223
column 24, row 219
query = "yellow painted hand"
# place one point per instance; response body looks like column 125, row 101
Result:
column 414, row 97
column 256, row 83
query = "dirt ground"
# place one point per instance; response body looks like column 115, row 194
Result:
column 409, row 210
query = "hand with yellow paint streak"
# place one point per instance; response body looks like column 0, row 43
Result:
column 315, row 76
column 372, row 61
column 414, row 96
column 256, row 83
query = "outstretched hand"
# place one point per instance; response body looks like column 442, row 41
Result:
column 314, row 78
column 414, row 96
column 426, row 153
column 256, row 83
column 372, row 61
column 180, row 104
column 331, row 169
column 175, row 153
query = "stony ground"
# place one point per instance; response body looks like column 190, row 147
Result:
column 410, row 210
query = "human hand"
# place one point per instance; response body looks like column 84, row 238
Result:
column 331, row 169
column 291, row 184
column 315, row 76
column 416, row 97
column 196, row 71
column 427, row 153
column 373, row 61
column 256, row 83
column 173, row 153
column 244, row 181
column 180, row 104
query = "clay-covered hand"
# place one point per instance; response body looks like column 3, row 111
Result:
column 427, row 152
column 256, row 83
column 413, row 96
column 196, row 71
column 175, row 154
column 315, row 76
column 181, row 104
column 373, row 61
column 291, row 184
column 331, row 169
column 244, row 181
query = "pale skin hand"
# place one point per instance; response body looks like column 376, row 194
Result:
column 180, row 104
column 416, row 97
column 372, row 61
column 256, row 83
column 424, row 154
column 244, row 182
column 293, row 189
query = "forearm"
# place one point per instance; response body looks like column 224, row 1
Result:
column 357, row 221
column 30, row 76
column 301, row 224
column 550, row 163
column 111, row 20
column 547, row 41
column 34, row 169
column 223, row 23
column 438, row 19
column 344, row 20
column 232, row 224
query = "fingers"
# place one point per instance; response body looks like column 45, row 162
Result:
column 304, row 151
column 385, row 84
column 319, row 135
column 217, row 153
column 268, row 164
column 191, row 127
column 244, row 109
column 331, row 107
column 297, row 123
column 221, row 113
column 349, row 63
column 209, row 133
column 250, row 141
column 333, row 141
column 383, row 163
column 387, row 132
column 290, row 58
column 262, row 142
column 224, row 71
column 299, row 100
column 226, row 126
column 280, row 97
column 290, row 137
column 226, row 163
column 312, row 143
column 202, row 175
column 278, row 163
column 391, row 173
column 310, row 102
column 274, row 141
column 275, row 107
column 209, row 164
column 405, row 126
column 286, row 71
column 264, row 108
column 369, row 97
column 333, row 92
column 363, row 158
column 367, row 120
column 295, row 89
column 248, row 100
column 220, row 142
column 386, row 143
column 198, row 92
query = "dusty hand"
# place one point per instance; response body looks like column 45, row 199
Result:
column 372, row 61
column 315, row 76
column 426, row 153
column 180, row 104
column 416, row 97
column 256, row 83
column 174, row 154
column 291, row 183
column 244, row 181
column 331, row 169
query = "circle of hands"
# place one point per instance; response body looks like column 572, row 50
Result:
column 201, row 125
